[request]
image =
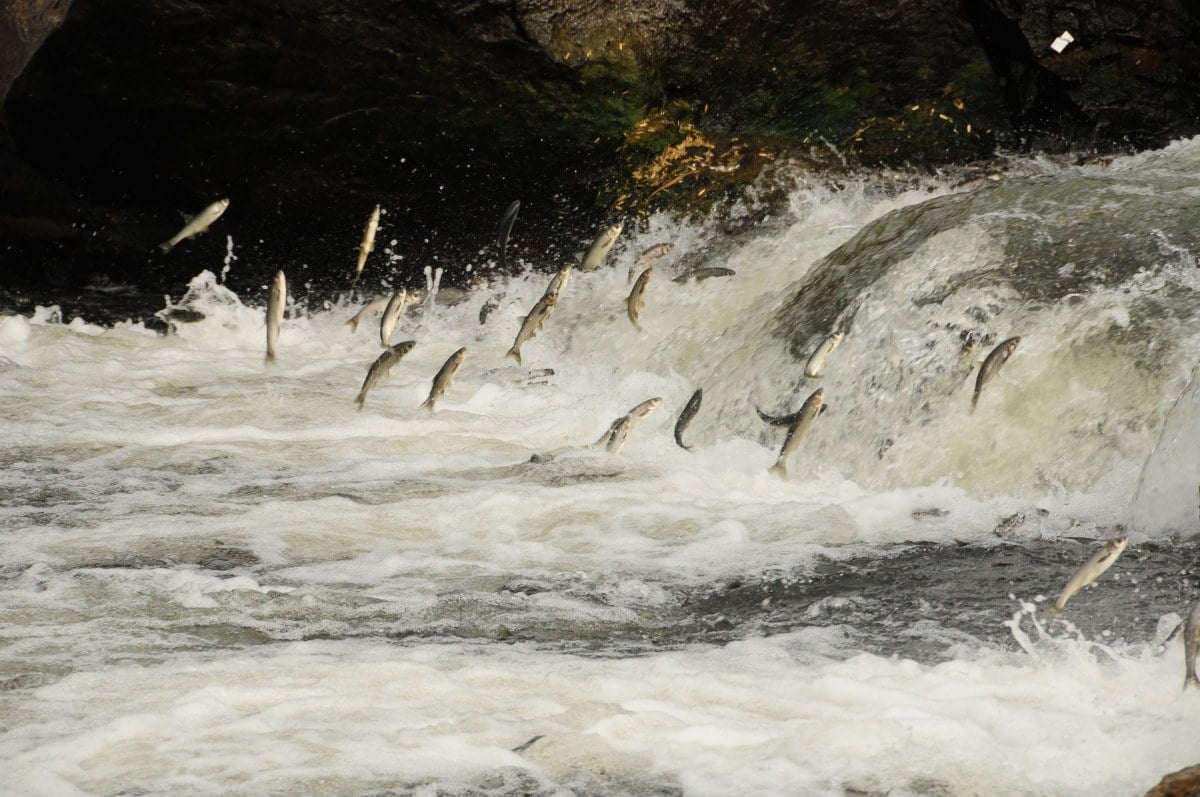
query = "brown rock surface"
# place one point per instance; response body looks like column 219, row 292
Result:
column 1184, row 783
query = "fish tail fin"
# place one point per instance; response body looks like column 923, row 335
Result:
column 515, row 353
column 428, row 404
column 779, row 469
column 359, row 400
column 270, row 358
column 1191, row 680
column 974, row 402
column 1053, row 610
column 166, row 246
column 353, row 324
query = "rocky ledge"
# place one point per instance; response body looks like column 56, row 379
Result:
column 310, row 112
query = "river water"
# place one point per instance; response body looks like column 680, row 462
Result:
column 218, row 577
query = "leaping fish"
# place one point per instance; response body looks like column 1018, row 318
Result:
column 637, row 301
column 368, row 243
column 617, row 434
column 1191, row 645
column 596, row 253
column 1090, row 570
column 198, row 224
column 685, row 417
column 701, row 274
column 648, row 258
column 816, row 363
column 801, row 425
column 444, row 376
column 992, row 365
column 278, row 297
column 376, row 305
column 391, row 317
column 532, row 323
column 506, row 225
column 558, row 282
column 381, row 366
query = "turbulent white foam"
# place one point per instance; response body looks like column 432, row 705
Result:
column 224, row 503
column 792, row 714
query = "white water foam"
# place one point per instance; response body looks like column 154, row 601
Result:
column 181, row 517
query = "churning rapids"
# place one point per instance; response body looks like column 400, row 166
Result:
column 217, row 577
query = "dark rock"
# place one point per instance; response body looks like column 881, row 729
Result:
column 1184, row 783
column 308, row 113
column 24, row 25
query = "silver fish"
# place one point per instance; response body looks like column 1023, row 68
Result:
column 648, row 258
column 778, row 420
column 701, row 274
column 368, row 242
column 637, row 301
column 506, row 225
column 689, row 411
column 607, row 436
column 1191, row 645
column 992, row 365
column 816, row 363
column 798, row 430
column 444, row 376
column 788, row 420
column 621, row 427
column 558, row 282
column 532, row 323
column 198, row 224
column 381, row 366
column 596, row 253
column 278, row 297
column 1090, row 570
column 376, row 305
column 391, row 317
column 526, row 745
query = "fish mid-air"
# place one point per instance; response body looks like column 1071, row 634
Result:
column 376, row 305
column 816, row 363
column 532, row 323
column 689, row 411
column 1191, row 645
column 368, row 243
column 637, row 300
column 618, row 432
column 443, row 378
column 540, row 312
column 598, row 251
column 506, row 224
column 648, row 258
column 558, row 282
column 275, row 303
column 391, row 317
column 1089, row 571
column 701, row 274
column 800, row 424
column 198, row 224
column 381, row 366
column 992, row 365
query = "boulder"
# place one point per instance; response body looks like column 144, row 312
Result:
column 1184, row 783
column 307, row 113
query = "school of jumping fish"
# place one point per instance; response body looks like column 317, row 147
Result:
column 799, row 423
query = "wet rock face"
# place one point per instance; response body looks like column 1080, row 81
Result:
column 1184, row 783
column 24, row 25
column 1126, row 76
column 308, row 113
